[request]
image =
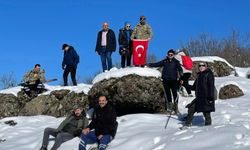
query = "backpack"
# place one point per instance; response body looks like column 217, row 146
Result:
column 187, row 62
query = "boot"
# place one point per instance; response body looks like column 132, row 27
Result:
column 176, row 110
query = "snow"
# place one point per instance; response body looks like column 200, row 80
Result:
column 118, row 73
column 78, row 89
column 211, row 59
column 230, row 127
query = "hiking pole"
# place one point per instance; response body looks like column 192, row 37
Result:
column 176, row 99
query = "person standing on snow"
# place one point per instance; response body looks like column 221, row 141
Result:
column 125, row 44
column 170, row 73
column 204, row 95
column 105, row 45
column 70, row 60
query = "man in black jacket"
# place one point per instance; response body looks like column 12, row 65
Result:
column 105, row 45
column 70, row 60
column 170, row 74
column 104, row 124
column 125, row 44
column 204, row 96
column 67, row 130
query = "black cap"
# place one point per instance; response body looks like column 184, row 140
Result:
column 64, row 45
column 171, row 51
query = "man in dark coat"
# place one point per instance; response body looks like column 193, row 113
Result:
column 125, row 44
column 67, row 130
column 170, row 74
column 105, row 45
column 104, row 124
column 70, row 60
column 204, row 92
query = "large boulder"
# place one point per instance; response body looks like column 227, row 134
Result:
column 219, row 66
column 9, row 105
column 58, row 103
column 130, row 94
column 230, row 91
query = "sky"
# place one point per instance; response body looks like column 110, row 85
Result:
column 33, row 31
column 229, row 130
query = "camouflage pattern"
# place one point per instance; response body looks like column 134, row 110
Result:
column 33, row 75
column 142, row 32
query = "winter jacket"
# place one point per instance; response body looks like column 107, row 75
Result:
column 71, row 58
column 204, row 91
column 142, row 32
column 123, row 40
column 171, row 68
column 111, row 41
column 34, row 75
column 104, row 121
column 74, row 124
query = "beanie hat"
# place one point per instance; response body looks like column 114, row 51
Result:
column 171, row 51
column 64, row 46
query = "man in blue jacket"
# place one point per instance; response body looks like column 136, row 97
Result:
column 69, row 63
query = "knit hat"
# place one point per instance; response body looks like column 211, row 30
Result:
column 64, row 46
column 171, row 51
column 76, row 106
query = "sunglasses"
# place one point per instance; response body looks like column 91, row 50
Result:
column 202, row 65
column 128, row 26
column 170, row 54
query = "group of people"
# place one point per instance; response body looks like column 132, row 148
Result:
column 175, row 74
column 106, row 42
column 101, row 129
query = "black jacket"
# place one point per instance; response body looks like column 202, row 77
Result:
column 170, row 68
column 123, row 40
column 71, row 58
column 104, row 121
column 204, row 91
column 111, row 41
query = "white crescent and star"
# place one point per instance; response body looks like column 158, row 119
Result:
column 139, row 46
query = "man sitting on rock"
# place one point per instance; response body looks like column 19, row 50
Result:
column 104, row 124
column 33, row 81
column 71, row 127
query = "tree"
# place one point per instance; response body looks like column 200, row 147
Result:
column 7, row 80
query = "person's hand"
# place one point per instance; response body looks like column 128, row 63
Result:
column 149, row 39
column 181, row 82
column 63, row 68
column 210, row 100
column 85, row 131
column 97, row 53
column 100, row 136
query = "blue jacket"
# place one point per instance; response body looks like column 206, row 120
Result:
column 71, row 58
column 170, row 68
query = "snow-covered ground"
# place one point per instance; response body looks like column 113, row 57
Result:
column 230, row 128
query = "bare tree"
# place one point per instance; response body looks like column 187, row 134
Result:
column 8, row 80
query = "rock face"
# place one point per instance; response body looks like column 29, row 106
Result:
column 230, row 91
column 130, row 94
column 57, row 103
column 219, row 68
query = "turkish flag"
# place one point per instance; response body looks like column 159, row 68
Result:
column 139, row 51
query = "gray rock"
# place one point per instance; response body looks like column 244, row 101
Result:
column 230, row 91
column 9, row 105
column 130, row 94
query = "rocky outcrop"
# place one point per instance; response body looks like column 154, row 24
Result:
column 230, row 91
column 57, row 103
column 130, row 94
column 219, row 68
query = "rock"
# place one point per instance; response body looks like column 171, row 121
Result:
column 230, row 91
column 10, row 122
column 219, row 68
column 59, row 94
column 9, row 105
column 130, row 94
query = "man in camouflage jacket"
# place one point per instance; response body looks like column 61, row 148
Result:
column 142, row 30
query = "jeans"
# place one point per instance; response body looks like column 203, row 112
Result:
column 72, row 71
column 91, row 138
column 60, row 137
column 106, row 59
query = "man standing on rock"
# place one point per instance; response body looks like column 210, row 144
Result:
column 104, row 124
column 67, row 130
column 170, row 73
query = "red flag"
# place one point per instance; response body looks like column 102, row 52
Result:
column 139, row 51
